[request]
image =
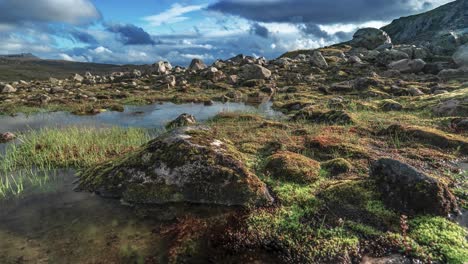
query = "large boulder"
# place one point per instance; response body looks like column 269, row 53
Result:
column 197, row 65
column 408, row 190
column 370, row 38
column 460, row 57
column 186, row 165
column 254, row 71
column 407, row 65
column 318, row 60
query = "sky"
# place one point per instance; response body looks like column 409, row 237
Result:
column 147, row 31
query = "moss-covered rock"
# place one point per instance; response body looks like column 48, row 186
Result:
column 407, row 190
column 338, row 117
column 337, row 166
column 186, row 165
column 181, row 121
column 292, row 167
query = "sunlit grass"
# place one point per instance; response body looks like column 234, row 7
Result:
column 27, row 162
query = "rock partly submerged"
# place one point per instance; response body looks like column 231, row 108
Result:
column 186, row 165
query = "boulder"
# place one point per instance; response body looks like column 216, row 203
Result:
column 452, row 107
column 7, row 136
column 391, row 105
column 410, row 191
column 77, row 78
column 254, row 71
column 389, row 56
column 459, row 124
column 407, row 65
column 187, row 165
column 197, row 65
column 460, row 57
column 8, row 89
column 318, row 60
column 181, row 121
column 370, row 38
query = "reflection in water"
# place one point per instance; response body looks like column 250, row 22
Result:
column 54, row 224
column 149, row 116
column 50, row 223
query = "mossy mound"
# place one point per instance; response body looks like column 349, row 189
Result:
column 337, row 166
column 326, row 148
column 337, row 117
column 427, row 135
column 186, row 165
column 292, row 167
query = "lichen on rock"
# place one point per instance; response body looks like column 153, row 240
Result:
column 186, row 165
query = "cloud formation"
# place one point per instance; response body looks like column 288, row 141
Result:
column 130, row 34
column 259, row 30
column 17, row 12
column 172, row 15
column 322, row 11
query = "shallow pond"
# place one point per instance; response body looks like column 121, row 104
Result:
column 149, row 116
column 54, row 224
column 51, row 223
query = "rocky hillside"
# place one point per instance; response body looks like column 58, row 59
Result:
column 443, row 28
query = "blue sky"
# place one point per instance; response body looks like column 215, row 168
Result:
column 145, row 31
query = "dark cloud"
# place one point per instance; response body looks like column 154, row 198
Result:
column 259, row 30
column 314, row 30
column 131, row 35
column 319, row 11
column 17, row 12
column 81, row 36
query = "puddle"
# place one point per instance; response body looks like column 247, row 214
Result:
column 149, row 116
column 54, row 224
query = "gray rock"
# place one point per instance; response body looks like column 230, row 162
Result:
column 8, row 89
column 181, row 121
column 370, row 38
column 254, row 71
column 197, row 65
column 408, row 190
column 318, row 60
column 407, row 65
column 187, row 165
column 389, row 56
column 77, row 78
column 453, row 107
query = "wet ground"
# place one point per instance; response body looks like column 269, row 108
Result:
column 51, row 223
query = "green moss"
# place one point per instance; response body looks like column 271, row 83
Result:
column 292, row 167
column 337, row 166
column 443, row 240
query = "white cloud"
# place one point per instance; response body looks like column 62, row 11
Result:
column 172, row 15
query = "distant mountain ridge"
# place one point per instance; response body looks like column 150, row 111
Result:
column 446, row 25
column 20, row 56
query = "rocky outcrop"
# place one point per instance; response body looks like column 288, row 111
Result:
column 370, row 38
column 408, row 190
column 186, row 165
column 443, row 28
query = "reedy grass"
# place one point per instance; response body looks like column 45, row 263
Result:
column 36, row 153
